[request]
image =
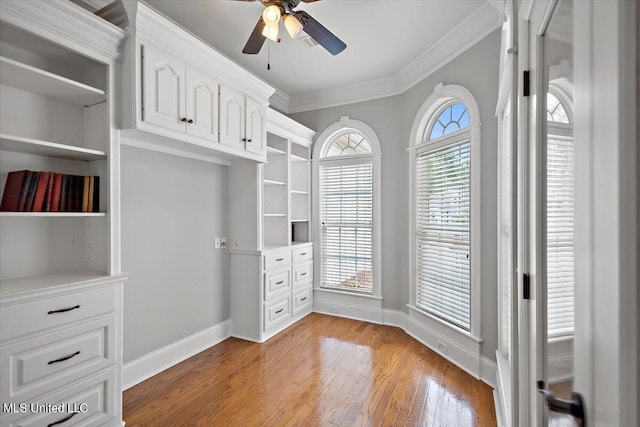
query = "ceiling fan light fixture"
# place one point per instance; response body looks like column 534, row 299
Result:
column 271, row 32
column 292, row 25
column 271, row 15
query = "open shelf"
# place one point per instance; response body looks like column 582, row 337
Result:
column 299, row 192
column 295, row 158
column 299, row 219
column 50, row 214
column 272, row 182
column 30, row 283
column 50, row 149
column 275, row 215
column 274, row 151
column 23, row 76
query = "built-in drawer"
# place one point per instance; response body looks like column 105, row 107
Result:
column 88, row 403
column 42, row 314
column 277, row 259
column 276, row 311
column 302, row 300
column 38, row 365
column 302, row 273
column 276, row 281
column 302, row 254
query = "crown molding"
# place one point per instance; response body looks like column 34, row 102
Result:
column 280, row 100
column 482, row 22
column 282, row 125
column 66, row 24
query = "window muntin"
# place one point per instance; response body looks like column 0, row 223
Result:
column 453, row 118
column 556, row 112
column 443, row 232
column 348, row 143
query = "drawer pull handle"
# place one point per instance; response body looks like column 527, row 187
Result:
column 279, row 311
column 279, row 259
column 303, row 274
column 303, row 299
column 63, row 310
column 64, row 420
column 303, row 253
column 280, row 282
column 62, row 359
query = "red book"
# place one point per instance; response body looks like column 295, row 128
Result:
column 33, row 186
column 57, row 192
column 48, row 199
column 41, row 192
column 15, row 191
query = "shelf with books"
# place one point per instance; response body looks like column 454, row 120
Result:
column 51, row 214
column 49, row 149
column 23, row 76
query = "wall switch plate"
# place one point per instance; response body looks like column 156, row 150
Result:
column 217, row 243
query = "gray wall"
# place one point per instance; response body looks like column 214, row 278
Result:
column 172, row 209
column 391, row 118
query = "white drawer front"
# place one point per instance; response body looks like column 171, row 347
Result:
column 276, row 281
column 302, row 273
column 302, row 299
column 277, row 259
column 87, row 403
column 276, row 311
column 21, row 319
column 302, row 254
column 42, row 364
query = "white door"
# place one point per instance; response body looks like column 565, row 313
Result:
column 202, row 106
column 256, row 127
column 163, row 80
column 583, row 214
column 231, row 117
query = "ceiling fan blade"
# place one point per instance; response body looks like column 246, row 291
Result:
column 309, row 1
column 319, row 33
column 256, row 39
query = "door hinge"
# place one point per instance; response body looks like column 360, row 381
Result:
column 525, row 83
column 526, row 286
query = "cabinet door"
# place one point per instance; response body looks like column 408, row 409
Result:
column 202, row 106
column 256, row 129
column 163, row 83
column 231, row 117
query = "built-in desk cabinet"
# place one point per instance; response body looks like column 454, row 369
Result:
column 269, row 243
column 181, row 96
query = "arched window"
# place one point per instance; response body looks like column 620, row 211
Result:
column 559, row 216
column 347, row 173
column 445, row 202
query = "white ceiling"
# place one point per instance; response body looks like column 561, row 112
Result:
column 385, row 38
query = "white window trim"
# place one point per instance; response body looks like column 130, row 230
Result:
column 347, row 124
column 443, row 94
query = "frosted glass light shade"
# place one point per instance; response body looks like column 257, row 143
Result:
column 270, row 32
column 271, row 15
column 293, row 25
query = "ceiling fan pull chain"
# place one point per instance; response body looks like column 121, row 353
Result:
column 268, row 56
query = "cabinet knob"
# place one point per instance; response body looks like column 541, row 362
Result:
column 249, row 140
column 184, row 119
column 190, row 121
column 244, row 139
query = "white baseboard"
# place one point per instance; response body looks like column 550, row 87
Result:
column 145, row 367
column 488, row 371
column 498, row 408
column 349, row 311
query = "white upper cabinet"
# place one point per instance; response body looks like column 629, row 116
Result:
column 232, row 117
column 163, row 90
column 256, row 127
column 199, row 102
column 202, row 105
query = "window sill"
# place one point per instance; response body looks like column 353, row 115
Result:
column 340, row 292
column 424, row 315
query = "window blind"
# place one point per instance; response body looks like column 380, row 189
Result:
column 443, row 225
column 346, row 198
column 560, row 249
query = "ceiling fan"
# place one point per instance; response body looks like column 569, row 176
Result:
column 294, row 21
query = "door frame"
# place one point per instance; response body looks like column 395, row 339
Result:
column 606, row 195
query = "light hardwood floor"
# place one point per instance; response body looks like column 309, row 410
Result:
column 323, row 371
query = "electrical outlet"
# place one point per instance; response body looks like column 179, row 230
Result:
column 217, row 243
column 223, row 242
column 443, row 347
